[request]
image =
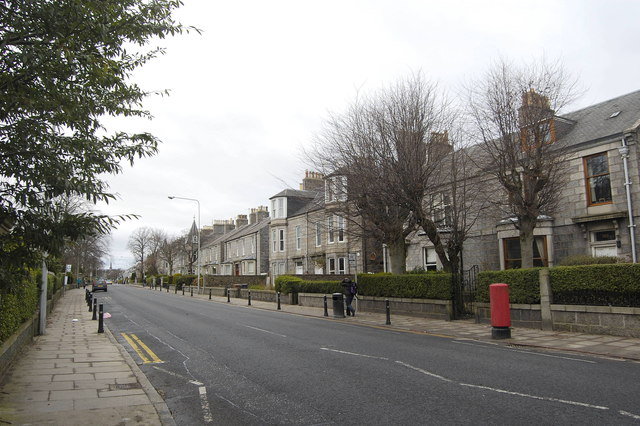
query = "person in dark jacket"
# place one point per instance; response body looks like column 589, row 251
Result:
column 350, row 289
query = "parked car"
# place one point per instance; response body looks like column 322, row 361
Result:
column 99, row 285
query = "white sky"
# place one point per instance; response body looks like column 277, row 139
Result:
column 254, row 88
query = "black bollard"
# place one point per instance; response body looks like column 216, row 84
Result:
column 167, row 288
column 326, row 308
column 209, row 294
column 101, row 318
column 278, row 296
column 175, row 289
column 228, row 296
column 90, row 305
column 386, row 302
column 183, row 290
column 191, row 288
column 249, row 297
column 95, row 309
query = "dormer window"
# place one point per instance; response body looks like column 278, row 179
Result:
column 336, row 189
column 279, row 208
column 537, row 135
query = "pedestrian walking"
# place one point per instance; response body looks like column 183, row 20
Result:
column 350, row 289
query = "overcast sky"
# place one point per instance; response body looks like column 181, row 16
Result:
column 255, row 87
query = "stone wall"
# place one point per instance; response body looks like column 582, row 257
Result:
column 427, row 308
column 617, row 321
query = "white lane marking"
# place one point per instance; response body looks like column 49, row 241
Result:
column 530, row 352
column 354, row 354
column 428, row 373
column 264, row 331
column 206, row 412
column 542, row 398
column 628, row 414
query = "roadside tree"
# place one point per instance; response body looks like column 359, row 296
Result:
column 64, row 66
column 513, row 110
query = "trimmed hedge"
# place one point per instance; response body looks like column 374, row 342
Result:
column 19, row 305
column 286, row 284
column 524, row 284
column 432, row 285
column 612, row 284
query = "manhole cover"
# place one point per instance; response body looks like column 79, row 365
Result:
column 125, row 386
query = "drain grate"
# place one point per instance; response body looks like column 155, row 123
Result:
column 125, row 386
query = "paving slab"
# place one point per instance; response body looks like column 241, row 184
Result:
column 66, row 376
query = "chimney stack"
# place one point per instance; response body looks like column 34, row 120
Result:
column 313, row 181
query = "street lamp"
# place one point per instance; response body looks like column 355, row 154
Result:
column 193, row 199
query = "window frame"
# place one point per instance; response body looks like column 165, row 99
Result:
column 544, row 256
column 588, row 178
column 298, row 231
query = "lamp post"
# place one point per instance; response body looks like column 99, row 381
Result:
column 193, row 199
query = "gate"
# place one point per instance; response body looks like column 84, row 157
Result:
column 463, row 294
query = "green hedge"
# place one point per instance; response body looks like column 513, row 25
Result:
column 613, row 284
column 19, row 305
column 286, row 284
column 524, row 284
column 432, row 285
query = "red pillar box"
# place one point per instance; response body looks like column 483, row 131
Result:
column 500, row 313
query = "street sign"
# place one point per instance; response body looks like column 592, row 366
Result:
column 68, row 268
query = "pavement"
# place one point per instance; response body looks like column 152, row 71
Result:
column 73, row 375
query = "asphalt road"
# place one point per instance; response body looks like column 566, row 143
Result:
column 237, row 365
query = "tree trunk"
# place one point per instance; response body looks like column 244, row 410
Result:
column 397, row 257
column 526, row 241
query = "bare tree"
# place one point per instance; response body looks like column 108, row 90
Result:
column 513, row 109
column 140, row 242
column 169, row 250
column 391, row 148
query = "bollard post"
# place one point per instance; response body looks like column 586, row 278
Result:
column 388, row 309
column 249, row 297
column 326, row 310
column 228, row 295
column 167, row 288
column 101, row 319
column 500, row 314
column 209, row 294
column 95, row 309
column 91, row 304
column 175, row 289
column 191, row 288
column 278, row 300
column 183, row 289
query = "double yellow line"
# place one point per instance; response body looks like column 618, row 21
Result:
column 146, row 355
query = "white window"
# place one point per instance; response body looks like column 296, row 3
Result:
column 441, row 210
column 330, row 231
column 341, row 226
column 279, row 208
column 342, row 265
column 281, row 239
column 318, row 234
column 603, row 243
column 274, row 240
column 332, row 265
column 318, row 269
column 336, row 189
column 253, row 244
column 242, row 247
column 429, row 259
column 298, row 238
column 250, row 267
column 299, row 268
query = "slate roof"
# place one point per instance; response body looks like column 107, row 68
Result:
column 596, row 122
column 299, row 193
